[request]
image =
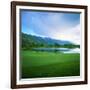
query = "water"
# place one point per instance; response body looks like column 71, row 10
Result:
column 62, row 50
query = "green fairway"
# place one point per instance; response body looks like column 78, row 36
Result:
column 49, row 64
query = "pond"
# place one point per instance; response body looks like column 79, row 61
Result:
column 62, row 50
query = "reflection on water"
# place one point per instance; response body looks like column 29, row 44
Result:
column 74, row 50
column 63, row 50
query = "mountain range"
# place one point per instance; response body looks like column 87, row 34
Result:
column 37, row 40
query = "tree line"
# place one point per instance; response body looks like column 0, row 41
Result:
column 29, row 42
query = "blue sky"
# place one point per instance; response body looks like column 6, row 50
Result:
column 62, row 26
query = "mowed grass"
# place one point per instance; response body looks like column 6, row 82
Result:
column 49, row 64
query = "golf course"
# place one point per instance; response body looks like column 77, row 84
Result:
column 49, row 64
column 49, row 44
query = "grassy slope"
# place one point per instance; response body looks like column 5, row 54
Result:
column 47, row 64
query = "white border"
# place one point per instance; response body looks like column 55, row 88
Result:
column 55, row 79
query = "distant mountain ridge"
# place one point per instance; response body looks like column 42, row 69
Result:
column 31, row 40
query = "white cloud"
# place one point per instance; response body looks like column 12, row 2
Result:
column 71, row 34
column 54, row 26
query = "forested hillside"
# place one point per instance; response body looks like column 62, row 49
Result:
column 30, row 41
